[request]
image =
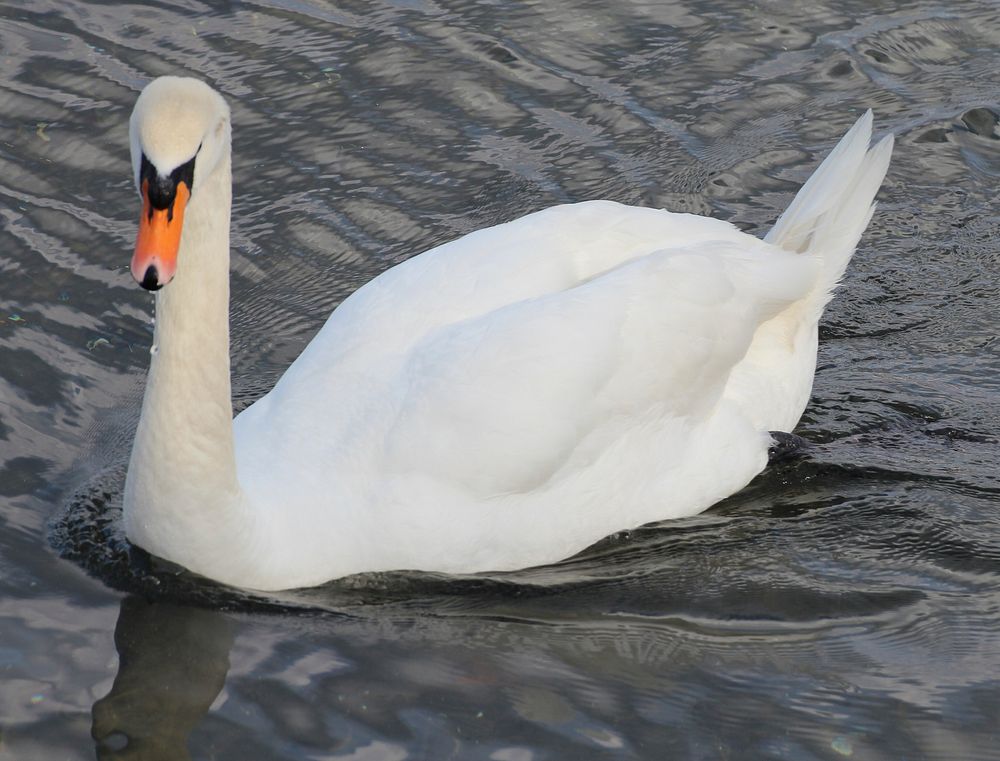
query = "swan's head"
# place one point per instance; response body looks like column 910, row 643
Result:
column 179, row 134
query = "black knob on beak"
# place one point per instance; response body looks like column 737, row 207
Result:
column 151, row 280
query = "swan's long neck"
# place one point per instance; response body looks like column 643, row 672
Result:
column 182, row 498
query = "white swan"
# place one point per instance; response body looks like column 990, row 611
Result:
column 498, row 402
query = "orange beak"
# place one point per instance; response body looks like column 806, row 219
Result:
column 155, row 260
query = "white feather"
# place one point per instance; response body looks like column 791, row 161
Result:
column 500, row 401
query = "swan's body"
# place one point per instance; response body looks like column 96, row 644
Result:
column 498, row 402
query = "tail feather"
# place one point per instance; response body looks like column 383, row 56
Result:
column 831, row 211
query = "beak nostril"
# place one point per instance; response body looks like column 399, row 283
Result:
column 151, row 280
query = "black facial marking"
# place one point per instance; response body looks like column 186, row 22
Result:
column 163, row 190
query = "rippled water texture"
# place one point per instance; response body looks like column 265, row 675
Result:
column 843, row 606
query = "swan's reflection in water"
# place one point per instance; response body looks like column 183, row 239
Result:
column 570, row 672
column 173, row 662
column 394, row 683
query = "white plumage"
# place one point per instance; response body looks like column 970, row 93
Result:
column 501, row 401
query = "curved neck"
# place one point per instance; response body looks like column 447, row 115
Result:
column 181, row 483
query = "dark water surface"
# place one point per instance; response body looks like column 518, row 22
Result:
column 844, row 606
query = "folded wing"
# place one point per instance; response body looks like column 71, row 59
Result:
column 536, row 385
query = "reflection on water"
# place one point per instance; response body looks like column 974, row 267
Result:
column 172, row 663
column 875, row 672
column 841, row 606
